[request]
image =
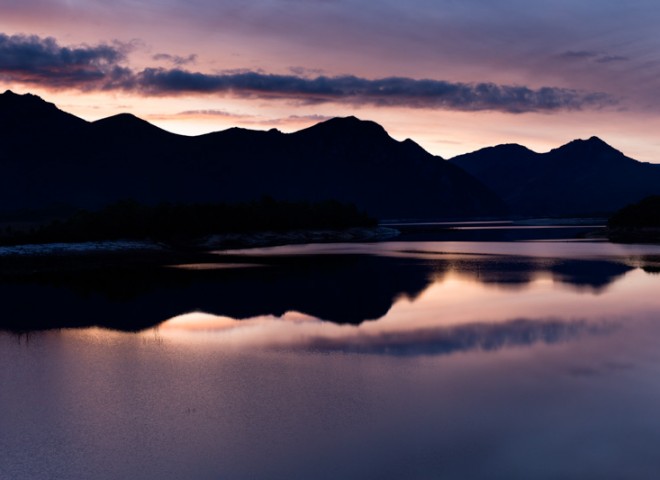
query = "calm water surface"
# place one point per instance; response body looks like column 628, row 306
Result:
column 418, row 360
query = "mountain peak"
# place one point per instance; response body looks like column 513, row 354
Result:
column 33, row 111
column 27, row 100
column 589, row 150
column 350, row 124
column 505, row 153
column 598, row 143
column 350, row 121
column 123, row 122
column 122, row 118
column 591, row 145
column 508, row 149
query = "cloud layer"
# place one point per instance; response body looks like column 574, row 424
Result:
column 393, row 91
column 42, row 61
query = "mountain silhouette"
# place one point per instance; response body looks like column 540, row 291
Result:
column 583, row 177
column 50, row 157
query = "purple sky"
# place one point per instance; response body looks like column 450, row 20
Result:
column 453, row 75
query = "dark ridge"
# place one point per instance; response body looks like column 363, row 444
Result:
column 124, row 119
column 128, row 125
column 582, row 178
column 348, row 126
column 592, row 146
column 22, row 114
column 184, row 224
column 72, row 162
column 24, row 101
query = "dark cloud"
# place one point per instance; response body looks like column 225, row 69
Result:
column 295, row 119
column 31, row 59
column 592, row 56
column 577, row 55
column 314, row 118
column 393, row 91
column 306, row 72
column 175, row 59
column 612, row 58
column 211, row 113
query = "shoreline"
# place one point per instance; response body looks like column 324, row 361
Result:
column 34, row 259
column 649, row 235
column 53, row 259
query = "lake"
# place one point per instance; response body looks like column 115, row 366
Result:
column 466, row 360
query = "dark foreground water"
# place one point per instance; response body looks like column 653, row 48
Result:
column 422, row 360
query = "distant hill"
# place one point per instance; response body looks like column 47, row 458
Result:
column 50, row 158
column 583, row 177
column 643, row 214
column 637, row 223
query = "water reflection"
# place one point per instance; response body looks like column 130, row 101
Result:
column 471, row 367
column 344, row 289
column 344, row 284
column 455, row 313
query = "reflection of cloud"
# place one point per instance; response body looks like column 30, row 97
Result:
column 477, row 336
column 35, row 60
column 296, row 331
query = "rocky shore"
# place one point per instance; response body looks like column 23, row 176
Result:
column 123, row 254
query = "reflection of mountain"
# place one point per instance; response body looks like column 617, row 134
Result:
column 593, row 275
column 336, row 288
column 342, row 289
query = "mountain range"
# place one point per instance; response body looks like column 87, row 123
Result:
column 52, row 159
column 583, row 177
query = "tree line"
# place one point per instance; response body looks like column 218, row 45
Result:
column 128, row 219
column 645, row 213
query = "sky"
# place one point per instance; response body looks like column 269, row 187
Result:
column 453, row 75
